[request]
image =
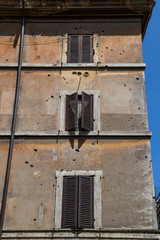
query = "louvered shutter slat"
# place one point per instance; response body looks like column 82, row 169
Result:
column 86, row 200
column 87, row 112
column 73, row 49
column 71, row 111
column 87, row 49
column 69, row 210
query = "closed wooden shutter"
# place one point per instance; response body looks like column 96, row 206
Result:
column 71, row 111
column 86, row 200
column 87, row 112
column 87, row 49
column 70, row 198
column 80, row 49
column 73, row 51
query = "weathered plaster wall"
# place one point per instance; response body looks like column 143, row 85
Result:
column 118, row 42
column 122, row 98
column 127, row 184
column 127, row 190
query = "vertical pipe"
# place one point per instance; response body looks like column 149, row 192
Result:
column 6, row 183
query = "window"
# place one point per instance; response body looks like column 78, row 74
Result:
column 67, row 115
column 97, row 178
column 80, row 49
column 77, row 210
column 79, row 112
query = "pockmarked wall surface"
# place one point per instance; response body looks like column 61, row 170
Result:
column 118, row 146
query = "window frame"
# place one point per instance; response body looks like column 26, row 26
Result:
column 80, row 48
column 98, row 176
column 96, row 113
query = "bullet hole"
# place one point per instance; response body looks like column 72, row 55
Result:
column 41, row 204
column 120, row 54
column 123, row 50
column 61, row 170
column 129, row 100
column 55, row 177
column 107, row 190
column 97, row 45
column 131, row 125
column 31, row 165
column 35, row 150
column 79, row 73
column 103, row 177
column 34, row 219
column 26, row 162
column 92, row 143
column 113, row 220
column 75, row 28
column 128, row 120
column 53, row 185
column 74, row 160
column 49, row 75
column 37, row 122
column 47, row 100
column 139, row 108
column 111, row 49
column 137, row 78
column 66, row 82
column 41, row 184
column 103, row 31
column 106, row 47
column 7, row 60
column 86, row 74
column 77, row 150
column 52, row 96
column 142, row 123
column 131, row 117
column 74, row 73
column 101, row 55
column 130, row 89
column 146, row 156
column 124, row 85
column 64, row 78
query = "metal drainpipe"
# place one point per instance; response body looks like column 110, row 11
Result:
column 6, row 183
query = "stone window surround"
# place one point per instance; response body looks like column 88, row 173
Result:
column 97, row 195
column 64, row 51
column 96, row 111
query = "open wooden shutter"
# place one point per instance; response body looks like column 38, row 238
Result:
column 73, row 53
column 71, row 111
column 87, row 112
column 86, row 202
column 70, row 198
column 87, row 49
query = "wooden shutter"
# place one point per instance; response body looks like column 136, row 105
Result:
column 87, row 112
column 87, row 49
column 71, row 111
column 86, row 202
column 70, row 197
column 73, row 53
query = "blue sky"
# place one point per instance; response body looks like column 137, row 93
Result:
column 151, row 53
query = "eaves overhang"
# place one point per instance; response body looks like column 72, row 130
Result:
column 79, row 9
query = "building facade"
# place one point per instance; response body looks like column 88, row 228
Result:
column 75, row 134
